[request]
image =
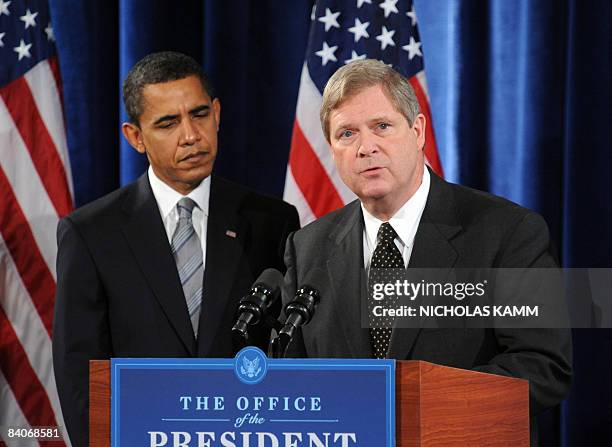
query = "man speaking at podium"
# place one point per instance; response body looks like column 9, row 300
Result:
column 406, row 216
column 156, row 269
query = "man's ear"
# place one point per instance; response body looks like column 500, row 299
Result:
column 216, row 106
column 133, row 134
column 419, row 126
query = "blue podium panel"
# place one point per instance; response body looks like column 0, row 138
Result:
column 252, row 401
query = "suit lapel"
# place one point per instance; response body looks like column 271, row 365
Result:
column 348, row 279
column 223, row 256
column 432, row 249
column 147, row 238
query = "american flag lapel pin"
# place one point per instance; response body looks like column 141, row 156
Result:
column 231, row 234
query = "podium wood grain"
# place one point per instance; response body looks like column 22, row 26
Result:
column 442, row 406
column 435, row 406
column 99, row 403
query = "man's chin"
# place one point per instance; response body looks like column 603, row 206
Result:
column 374, row 192
column 195, row 176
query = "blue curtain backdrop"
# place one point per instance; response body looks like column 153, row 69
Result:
column 521, row 94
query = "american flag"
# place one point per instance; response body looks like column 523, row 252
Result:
column 35, row 192
column 343, row 31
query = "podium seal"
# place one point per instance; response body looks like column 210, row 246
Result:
column 251, row 365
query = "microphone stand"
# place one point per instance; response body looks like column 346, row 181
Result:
column 300, row 311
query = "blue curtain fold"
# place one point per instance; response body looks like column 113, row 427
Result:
column 88, row 41
column 521, row 94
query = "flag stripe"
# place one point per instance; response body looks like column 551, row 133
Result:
column 423, row 83
column 431, row 149
column 293, row 195
column 21, row 106
column 307, row 115
column 311, row 177
column 18, row 373
column 28, row 188
column 43, row 86
column 55, row 69
column 22, row 315
column 11, row 415
column 21, row 244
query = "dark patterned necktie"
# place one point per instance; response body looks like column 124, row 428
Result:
column 187, row 252
column 384, row 266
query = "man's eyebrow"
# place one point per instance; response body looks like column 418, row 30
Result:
column 346, row 124
column 198, row 109
column 342, row 125
column 379, row 118
column 165, row 118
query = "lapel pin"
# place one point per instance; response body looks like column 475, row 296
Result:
column 230, row 233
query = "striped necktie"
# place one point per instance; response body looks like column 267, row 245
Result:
column 187, row 252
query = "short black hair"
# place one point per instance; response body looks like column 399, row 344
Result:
column 156, row 68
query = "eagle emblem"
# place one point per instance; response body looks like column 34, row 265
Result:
column 250, row 368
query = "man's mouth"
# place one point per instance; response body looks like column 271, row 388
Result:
column 371, row 171
column 194, row 157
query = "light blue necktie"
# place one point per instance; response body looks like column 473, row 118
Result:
column 187, row 252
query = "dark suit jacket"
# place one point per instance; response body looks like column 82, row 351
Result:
column 118, row 290
column 460, row 228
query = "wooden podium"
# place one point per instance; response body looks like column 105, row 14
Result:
column 435, row 406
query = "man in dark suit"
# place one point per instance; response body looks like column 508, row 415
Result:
column 156, row 269
column 406, row 216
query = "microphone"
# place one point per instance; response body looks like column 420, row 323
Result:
column 301, row 309
column 254, row 305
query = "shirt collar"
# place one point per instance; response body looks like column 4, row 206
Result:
column 406, row 220
column 167, row 198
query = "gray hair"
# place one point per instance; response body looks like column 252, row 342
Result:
column 156, row 68
column 358, row 75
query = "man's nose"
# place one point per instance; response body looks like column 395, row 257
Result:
column 190, row 133
column 367, row 144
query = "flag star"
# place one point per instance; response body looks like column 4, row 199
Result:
column 389, row 7
column 2, row 37
column 330, row 19
column 413, row 48
column 4, row 8
column 29, row 18
column 327, row 53
column 23, row 50
column 354, row 57
column 361, row 2
column 412, row 15
column 359, row 30
column 386, row 38
column 49, row 31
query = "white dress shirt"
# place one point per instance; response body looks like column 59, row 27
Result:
column 167, row 198
column 405, row 222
